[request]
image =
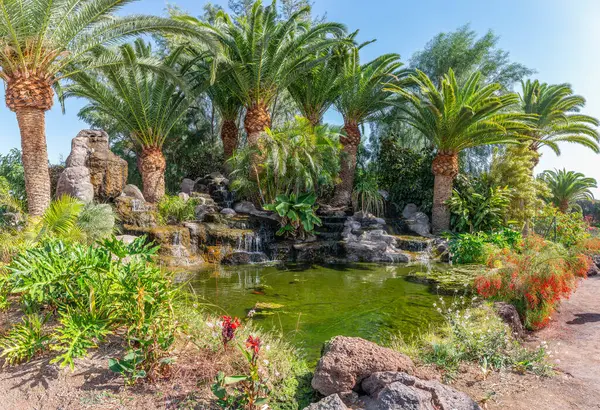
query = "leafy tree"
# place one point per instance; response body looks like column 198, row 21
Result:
column 45, row 42
column 466, row 54
column 362, row 96
column 11, row 168
column 145, row 98
column 568, row 187
column 265, row 55
column 454, row 118
column 558, row 117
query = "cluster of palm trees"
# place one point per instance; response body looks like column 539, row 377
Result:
column 244, row 65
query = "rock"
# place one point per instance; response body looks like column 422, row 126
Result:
column 346, row 361
column 244, row 207
column 409, row 211
column 183, row 196
column 419, row 224
column 107, row 171
column 133, row 191
column 398, row 390
column 187, row 185
column 201, row 211
column 228, row 212
column 595, row 268
column 135, row 212
column 126, row 239
column 244, row 258
column 509, row 315
column 76, row 182
column 332, row 402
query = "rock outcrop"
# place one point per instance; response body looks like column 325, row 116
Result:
column 347, row 361
column 416, row 221
column 106, row 172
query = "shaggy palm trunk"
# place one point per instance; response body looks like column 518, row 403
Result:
column 257, row 120
column 563, row 206
column 229, row 136
column 30, row 96
column 152, row 165
column 445, row 169
column 350, row 141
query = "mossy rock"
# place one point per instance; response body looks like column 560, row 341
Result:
column 449, row 281
column 261, row 306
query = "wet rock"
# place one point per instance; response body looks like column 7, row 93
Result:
column 419, row 224
column 228, row 212
column 398, row 390
column 187, row 185
column 76, row 182
column 245, row 207
column 133, row 191
column 201, row 211
column 244, row 258
column 347, row 361
column 409, row 211
column 126, row 239
column 332, row 402
column 509, row 315
column 135, row 212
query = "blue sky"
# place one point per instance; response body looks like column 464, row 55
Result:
column 557, row 38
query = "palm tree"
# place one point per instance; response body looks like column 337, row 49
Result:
column 568, row 187
column 558, row 118
column 45, row 42
column 454, row 118
column 145, row 97
column 362, row 96
column 265, row 55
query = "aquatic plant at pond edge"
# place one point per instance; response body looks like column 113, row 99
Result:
column 297, row 213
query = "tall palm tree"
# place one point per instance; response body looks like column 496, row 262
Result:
column 362, row 96
column 144, row 95
column 454, row 118
column 266, row 54
column 45, row 42
column 558, row 118
column 568, row 187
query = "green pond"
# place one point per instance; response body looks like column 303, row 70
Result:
column 309, row 305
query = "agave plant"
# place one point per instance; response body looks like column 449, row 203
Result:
column 45, row 42
column 568, row 187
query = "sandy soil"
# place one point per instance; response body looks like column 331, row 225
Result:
column 573, row 341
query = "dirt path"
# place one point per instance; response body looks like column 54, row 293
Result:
column 573, row 339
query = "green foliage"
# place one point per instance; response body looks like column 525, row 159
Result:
column 297, row 213
column 175, row 210
column 474, row 248
column 568, row 187
column 11, row 168
column 97, row 221
column 475, row 335
column 297, row 158
column 24, row 340
column 463, row 52
column 366, row 195
column 476, row 206
column 566, row 229
column 405, row 174
column 129, row 366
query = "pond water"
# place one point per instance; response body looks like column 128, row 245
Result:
column 309, row 305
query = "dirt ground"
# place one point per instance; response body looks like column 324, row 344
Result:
column 572, row 337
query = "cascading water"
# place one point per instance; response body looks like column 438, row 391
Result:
column 253, row 244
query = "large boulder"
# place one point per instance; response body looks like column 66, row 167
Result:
column 75, row 182
column 132, row 191
column 346, row 361
column 187, row 186
column 416, row 221
column 332, row 402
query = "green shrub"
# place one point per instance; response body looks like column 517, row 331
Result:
column 297, row 214
column 24, row 340
column 97, row 221
column 565, row 228
column 175, row 210
column 474, row 248
column 366, row 195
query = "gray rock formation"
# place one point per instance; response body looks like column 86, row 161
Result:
column 107, row 172
column 134, row 192
column 244, row 207
column 187, row 185
column 509, row 315
column 332, row 402
column 416, row 221
column 347, row 361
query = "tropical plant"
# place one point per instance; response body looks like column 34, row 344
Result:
column 265, row 55
column 11, row 168
column 144, row 96
column 475, row 247
column 25, row 340
column 454, row 118
column 298, row 158
column 557, row 118
column 47, row 42
column 362, row 96
column 297, row 213
column 567, row 229
column 568, row 187
column 366, row 195
column 174, row 209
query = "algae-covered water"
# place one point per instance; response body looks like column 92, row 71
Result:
column 309, row 305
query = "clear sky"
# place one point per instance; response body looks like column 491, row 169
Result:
column 560, row 39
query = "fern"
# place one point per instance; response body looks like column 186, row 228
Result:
column 24, row 340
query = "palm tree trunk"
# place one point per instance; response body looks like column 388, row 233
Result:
column 350, row 142
column 35, row 158
column 257, row 120
column 229, row 136
column 152, row 165
column 445, row 169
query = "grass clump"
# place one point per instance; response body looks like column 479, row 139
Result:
column 174, row 210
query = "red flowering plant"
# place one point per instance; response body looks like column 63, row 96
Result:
column 228, row 328
column 247, row 391
column 535, row 280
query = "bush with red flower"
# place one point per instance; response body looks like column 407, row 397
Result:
column 228, row 328
column 534, row 280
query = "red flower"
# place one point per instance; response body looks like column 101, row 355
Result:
column 228, row 328
column 253, row 343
